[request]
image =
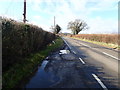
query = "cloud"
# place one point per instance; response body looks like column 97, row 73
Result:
column 41, row 12
column 98, row 25
column 66, row 11
column 37, row 17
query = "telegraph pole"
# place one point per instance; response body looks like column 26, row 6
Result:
column 54, row 21
column 24, row 14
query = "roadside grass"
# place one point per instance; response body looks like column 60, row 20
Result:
column 21, row 70
column 109, row 45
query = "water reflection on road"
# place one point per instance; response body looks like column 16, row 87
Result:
column 42, row 78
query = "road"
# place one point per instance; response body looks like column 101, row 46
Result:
column 104, row 59
column 86, row 66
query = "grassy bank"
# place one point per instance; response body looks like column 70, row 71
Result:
column 109, row 45
column 23, row 69
column 106, row 38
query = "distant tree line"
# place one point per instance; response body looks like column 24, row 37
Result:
column 75, row 26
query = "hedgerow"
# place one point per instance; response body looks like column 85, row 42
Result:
column 19, row 40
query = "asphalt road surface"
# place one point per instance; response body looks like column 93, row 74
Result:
column 86, row 66
column 104, row 60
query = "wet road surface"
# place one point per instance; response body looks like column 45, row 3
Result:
column 75, row 69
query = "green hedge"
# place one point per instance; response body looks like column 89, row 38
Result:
column 22, row 71
column 19, row 40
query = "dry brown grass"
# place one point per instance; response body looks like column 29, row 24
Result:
column 107, row 38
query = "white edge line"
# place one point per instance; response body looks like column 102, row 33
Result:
column 66, row 43
column 110, row 55
column 82, row 61
column 99, row 81
column 74, row 52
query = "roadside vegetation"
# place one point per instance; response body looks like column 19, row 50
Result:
column 19, row 40
column 24, row 69
column 22, row 50
column 108, row 40
column 56, row 29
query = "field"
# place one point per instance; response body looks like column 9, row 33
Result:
column 103, row 38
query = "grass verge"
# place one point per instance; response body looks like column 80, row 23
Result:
column 21, row 70
column 109, row 45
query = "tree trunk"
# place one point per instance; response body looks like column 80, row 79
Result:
column 77, row 32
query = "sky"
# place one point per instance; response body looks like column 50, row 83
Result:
column 100, row 15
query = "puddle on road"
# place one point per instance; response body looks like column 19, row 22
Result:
column 42, row 78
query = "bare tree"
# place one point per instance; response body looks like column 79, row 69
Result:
column 56, row 29
column 52, row 29
column 77, row 26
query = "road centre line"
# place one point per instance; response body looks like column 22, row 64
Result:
column 102, row 52
column 85, row 45
column 82, row 61
column 110, row 55
column 95, row 49
column 100, row 82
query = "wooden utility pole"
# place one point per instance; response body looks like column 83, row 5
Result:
column 24, row 14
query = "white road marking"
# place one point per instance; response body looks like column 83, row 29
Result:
column 85, row 45
column 82, row 61
column 102, row 52
column 66, row 43
column 74, row 52
column 110, row 55
column 91, row 48
column 100, row 82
